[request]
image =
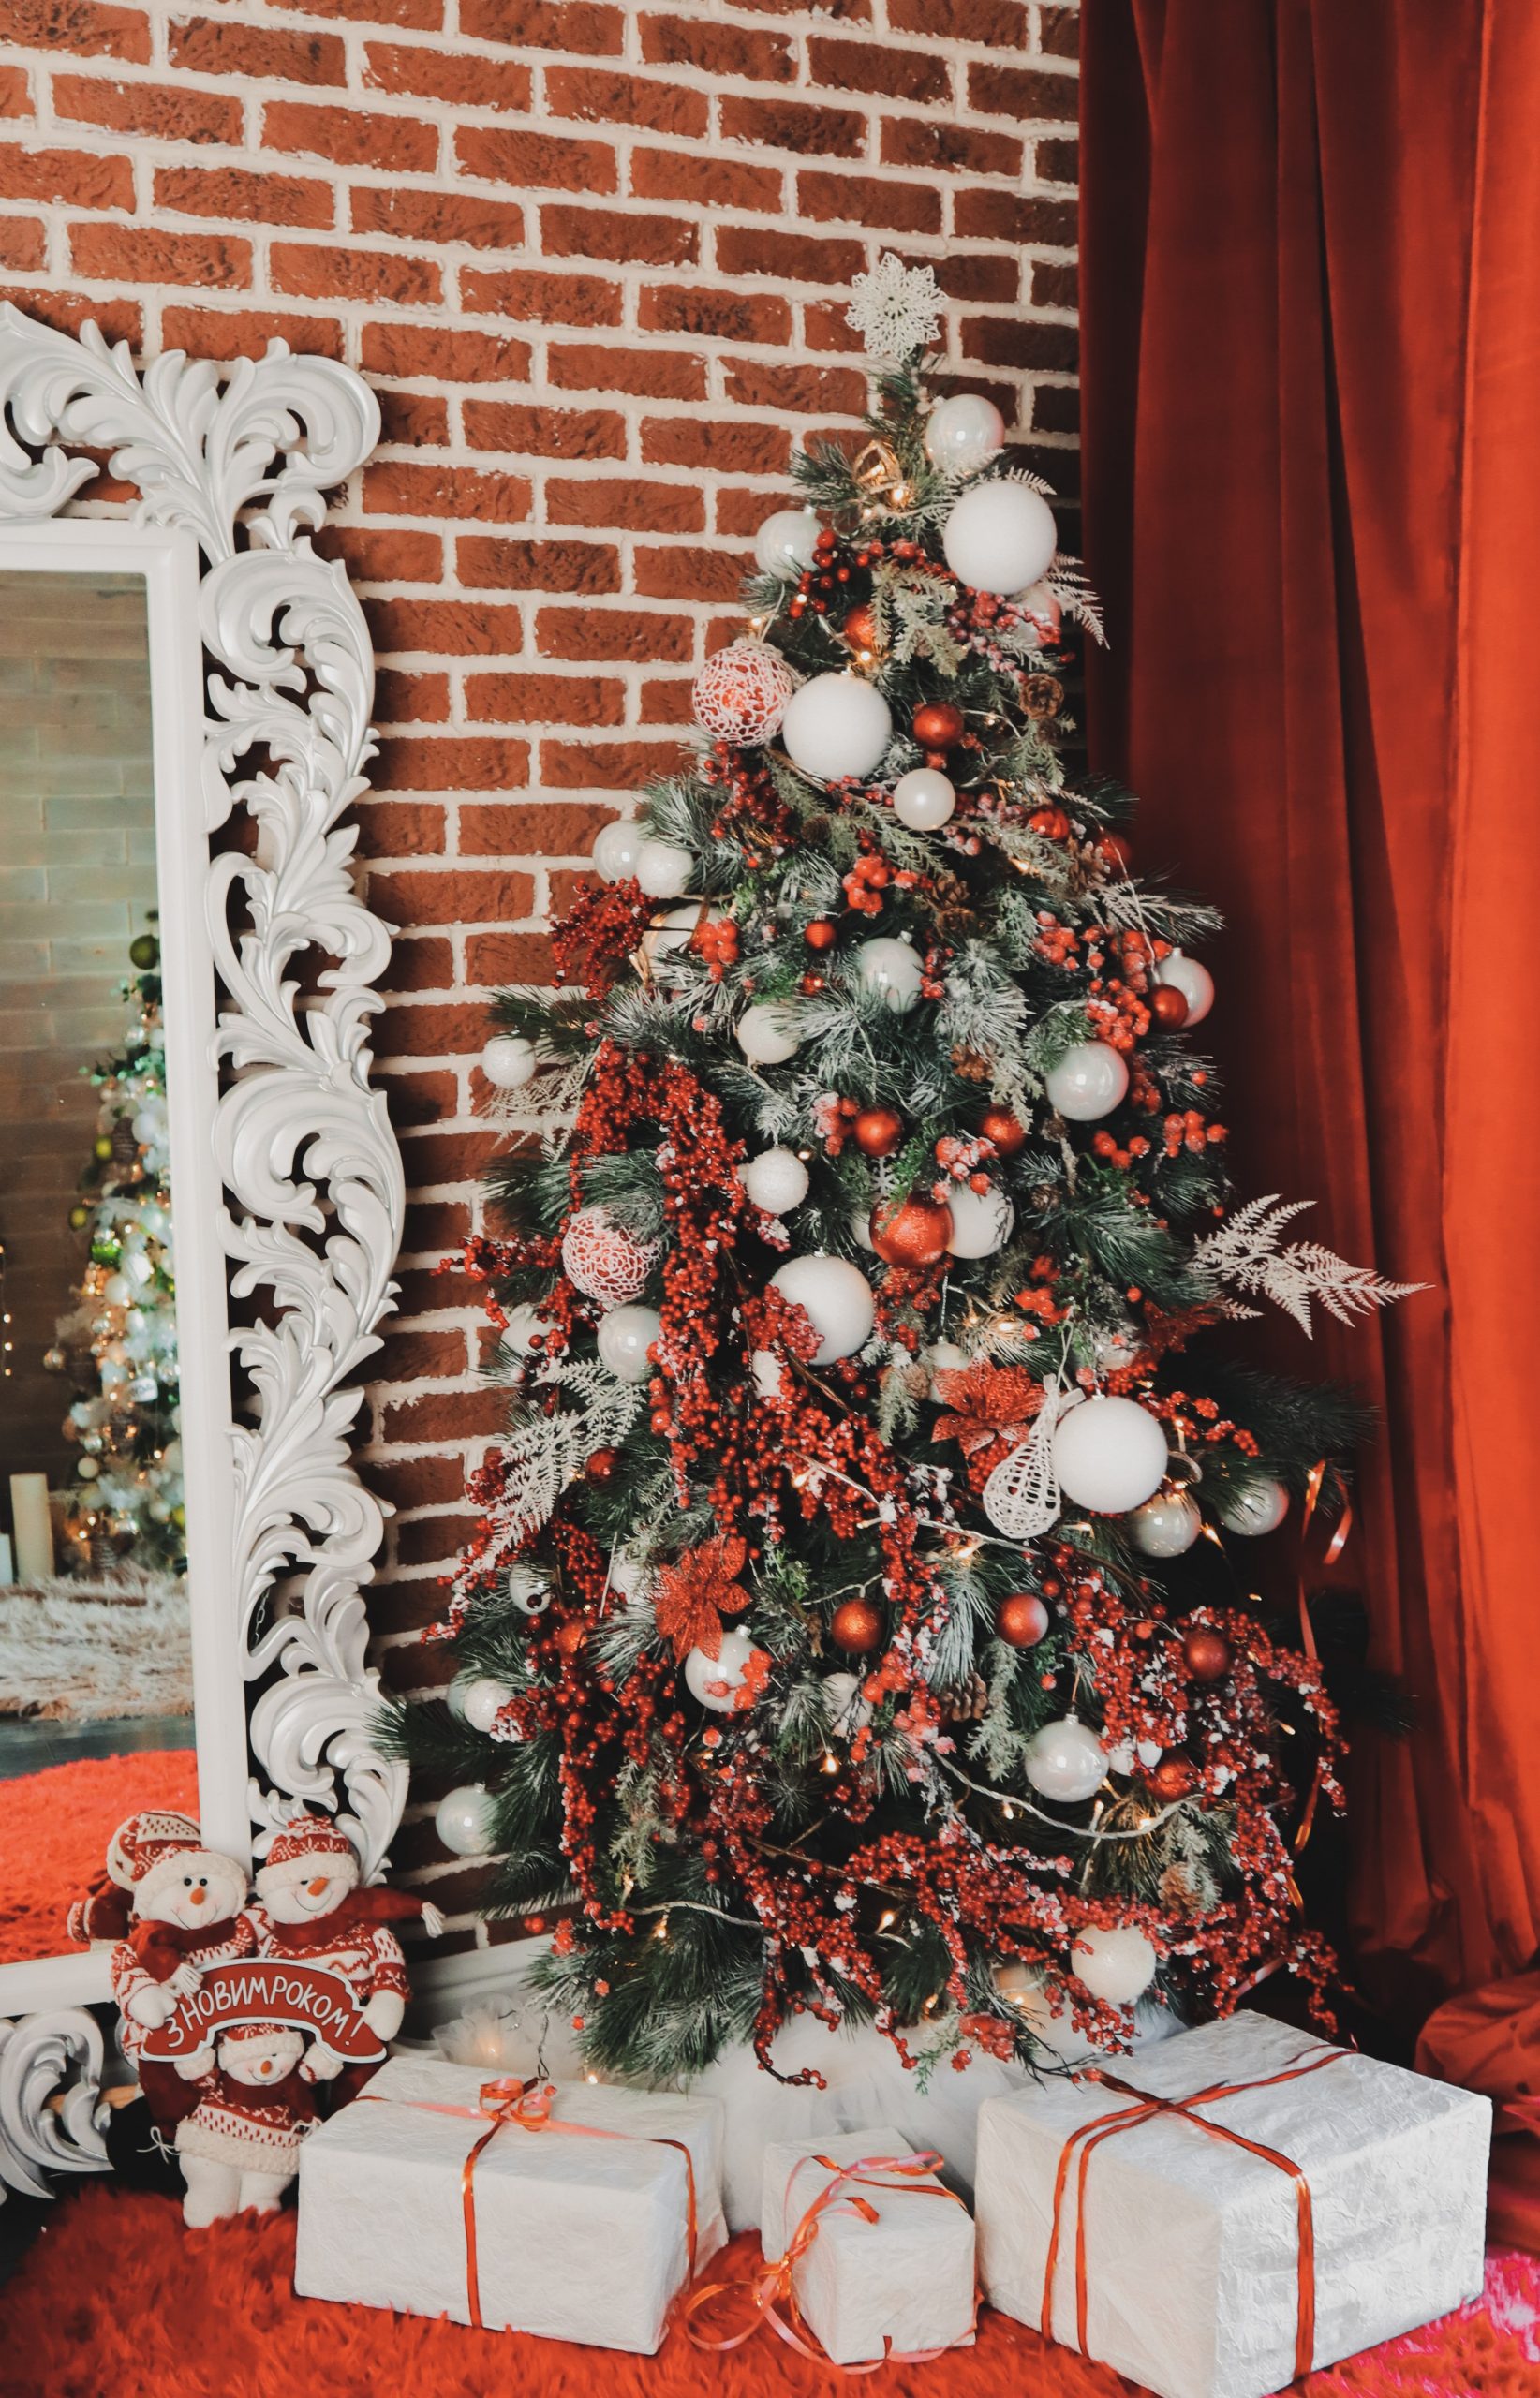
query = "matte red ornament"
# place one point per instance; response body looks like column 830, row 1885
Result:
column 600, row 1466
column 938, row 725
column 916, row 1232
column 1008, row 1133
column 1115, row 849
column 856, row 1626
column 1023, row 1620
column 1208, row 1654
column 1051, row 821
column 1168, row 1006
column 859, row 629
column 1175, row 1777
column 879, row 1132
column 820, row 933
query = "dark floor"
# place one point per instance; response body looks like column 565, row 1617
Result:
column 29, row 1744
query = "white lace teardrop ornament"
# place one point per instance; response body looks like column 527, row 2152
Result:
column 1021, row 1497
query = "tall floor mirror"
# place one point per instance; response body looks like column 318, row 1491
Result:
column 201, row 1196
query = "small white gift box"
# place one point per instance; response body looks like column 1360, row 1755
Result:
column 894, row 2271
column 1205, row 2274
column 578, row 2229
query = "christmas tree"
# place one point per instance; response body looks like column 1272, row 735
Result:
column 859, row 1620
column 118, row 1342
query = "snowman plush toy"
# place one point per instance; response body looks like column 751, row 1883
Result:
column 186, row 1913
column 311, row 1904
column 240, row 2146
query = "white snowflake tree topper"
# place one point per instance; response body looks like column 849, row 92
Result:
column 897, row 308
column 1245, row 1253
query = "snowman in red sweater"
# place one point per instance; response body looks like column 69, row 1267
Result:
column 311, row 1907
column 240, row 2146
column 186, row 1913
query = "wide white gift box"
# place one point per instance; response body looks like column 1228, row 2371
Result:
column 1192, row 2244
column 576, row 2237
column 905, row 2279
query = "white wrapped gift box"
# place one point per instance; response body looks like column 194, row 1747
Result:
column 577, row 2238
column 904, row 2281
column 1192, row 2244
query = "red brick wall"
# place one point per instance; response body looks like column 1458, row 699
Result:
column 593, row 256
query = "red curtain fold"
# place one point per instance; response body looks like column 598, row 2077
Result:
column 1310, row 312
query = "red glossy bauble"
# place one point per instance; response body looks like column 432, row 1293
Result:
column 1008, row 1133
column 1168, row 1006
column 856, row 1626
column 1208, row 1654
column 879, row 1132
column 1023, row 1620
column 1115, row 849
column 1051, row 821
column 600, row 1466
column 1175, row 1777
column 820, row 933
column 570, row 1638
column 938, row 725
column 859, row 629
column 914, row 1232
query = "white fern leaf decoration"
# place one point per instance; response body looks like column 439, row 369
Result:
column 1022, row 1497
column 1245, row 1253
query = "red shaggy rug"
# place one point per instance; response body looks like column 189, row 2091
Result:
column 55, row 1828
column 114, row 2296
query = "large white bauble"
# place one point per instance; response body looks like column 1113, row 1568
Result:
column 663, row 869
column 892, row 970
column 1166, row 1525
column 1191, row 979
column 783, row 546
column 963, row 433
column 462, row 1820
column 617, row 849
column 924, row 799
column 1110, row 1454
column 765, row 1033
column 836, row 726
column 943, row 1357
column 625, row 1336
column 522, row 1324
column 454, row 1697
column 508, row 1062
column 1000, row 536
column 1066, row 1760
column 483, row 1701
column 1115, row 1963
column 1259, row 1509
column 716, row 1681
column 860, row 1224
column 1087, row 1082
column 981, row 1219
column 848, row 1712
column 837, row 1298
column 776, row 1180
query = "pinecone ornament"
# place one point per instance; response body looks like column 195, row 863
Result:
column 1041, row 696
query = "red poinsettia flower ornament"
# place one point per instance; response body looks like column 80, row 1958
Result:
column 990, row 1411
column 692, row 1595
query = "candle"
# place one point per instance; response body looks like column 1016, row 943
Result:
column 8, row 1570
column 33, row 1528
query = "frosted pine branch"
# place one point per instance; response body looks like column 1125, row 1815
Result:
column 1245, row 1253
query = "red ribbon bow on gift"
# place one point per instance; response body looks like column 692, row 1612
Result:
column 769, row 2285
column 526, row 2106
column 1090, row 2135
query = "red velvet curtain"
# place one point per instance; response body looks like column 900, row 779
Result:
column 1311, row 307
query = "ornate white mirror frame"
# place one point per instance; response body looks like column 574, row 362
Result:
column 286, row 1175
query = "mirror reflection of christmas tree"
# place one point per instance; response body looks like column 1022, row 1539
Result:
column 117, row 1343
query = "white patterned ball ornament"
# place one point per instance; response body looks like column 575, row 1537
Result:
column 607, row 1263
column 741, row 694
